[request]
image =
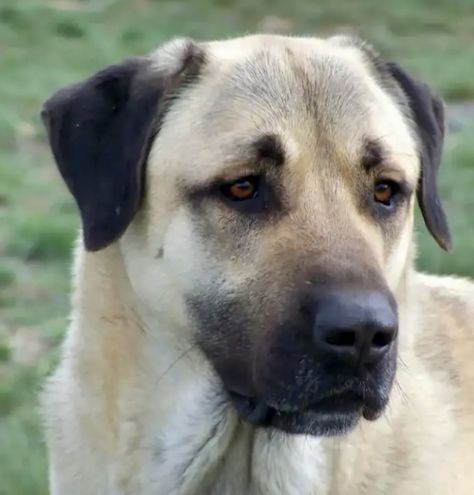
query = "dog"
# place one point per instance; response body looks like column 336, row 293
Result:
column 246, row 315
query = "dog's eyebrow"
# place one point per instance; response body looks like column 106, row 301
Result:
column 243, row 156
column 269, row 147
column 372, row 154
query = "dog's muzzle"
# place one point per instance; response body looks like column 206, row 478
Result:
column 352, row 346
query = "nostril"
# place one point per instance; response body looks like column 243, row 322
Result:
column 382, row 339
column 342, row 338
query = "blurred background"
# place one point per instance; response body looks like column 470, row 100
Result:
column 49, row 43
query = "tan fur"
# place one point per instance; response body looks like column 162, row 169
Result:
column 132, row 399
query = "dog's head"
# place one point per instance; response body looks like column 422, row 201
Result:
column 261, row 191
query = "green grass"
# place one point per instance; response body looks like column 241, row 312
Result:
column 45, row 44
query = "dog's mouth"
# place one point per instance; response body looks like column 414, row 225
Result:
column 331, row 415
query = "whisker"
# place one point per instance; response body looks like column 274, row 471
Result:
column 402, row 363
column 174, row 363
column 405, row 397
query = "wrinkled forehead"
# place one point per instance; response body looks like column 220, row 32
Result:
column 317, row 96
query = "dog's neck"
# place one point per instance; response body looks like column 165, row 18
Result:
column 171, row 422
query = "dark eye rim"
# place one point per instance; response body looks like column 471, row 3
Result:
column 225, row 187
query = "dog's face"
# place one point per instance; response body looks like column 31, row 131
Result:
column 262, row 190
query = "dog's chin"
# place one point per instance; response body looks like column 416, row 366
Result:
column 331, row 416
column 311, row 422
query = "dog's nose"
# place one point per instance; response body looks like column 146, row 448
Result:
column 355, row 328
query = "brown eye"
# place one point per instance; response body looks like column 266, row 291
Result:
column 241, row 189
column 384, row 192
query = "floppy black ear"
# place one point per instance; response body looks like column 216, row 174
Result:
column 428, row 114
column 100, row 131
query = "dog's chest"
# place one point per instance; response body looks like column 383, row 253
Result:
column 228, row 458
column 271, row 462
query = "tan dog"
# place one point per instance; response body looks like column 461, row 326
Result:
column 246, row 317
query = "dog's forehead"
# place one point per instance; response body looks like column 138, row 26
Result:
column 236, row 49
column 318, row 96
column 284, row 77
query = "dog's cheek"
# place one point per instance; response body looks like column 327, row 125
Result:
column 399, row 253
column 222, row 326
column 162, row 262
column 175, row 252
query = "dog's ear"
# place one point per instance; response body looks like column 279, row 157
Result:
column 428, row 115
column 100, row 132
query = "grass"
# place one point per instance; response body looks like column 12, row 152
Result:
column 45, row 44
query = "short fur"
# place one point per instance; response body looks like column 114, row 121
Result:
column 179, row 296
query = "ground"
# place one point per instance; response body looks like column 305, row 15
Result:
column 45, row 44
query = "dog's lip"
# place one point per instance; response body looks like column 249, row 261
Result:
column 260, row 413
column 252, row 410
column 340, row 402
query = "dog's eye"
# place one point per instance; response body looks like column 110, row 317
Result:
column 384, row 191
column 241, row 189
